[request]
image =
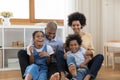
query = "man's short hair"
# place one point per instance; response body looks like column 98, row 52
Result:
column 52, row 25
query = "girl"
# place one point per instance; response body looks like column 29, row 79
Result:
column 39, row 57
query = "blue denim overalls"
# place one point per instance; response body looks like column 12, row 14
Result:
column 39, row 69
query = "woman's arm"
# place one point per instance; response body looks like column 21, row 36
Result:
column 45, row 54
column 89, row 52
column 88, row 42
column 87, row 56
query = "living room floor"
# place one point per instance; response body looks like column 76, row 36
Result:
column 104, row 74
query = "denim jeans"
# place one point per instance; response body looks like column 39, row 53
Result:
column 38, row 72
column 94, row 65
column 81, row 72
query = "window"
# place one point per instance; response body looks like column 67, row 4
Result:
column 49, row 9
column 19, row 8
column 33, row 11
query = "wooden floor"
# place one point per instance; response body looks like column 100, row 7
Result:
column 109, row 74
column 104, row 74
column 10, row 75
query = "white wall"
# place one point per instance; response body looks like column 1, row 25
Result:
column 111, row 19
column 70, row 6
column 103, row 20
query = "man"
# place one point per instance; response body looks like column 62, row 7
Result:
column 57, row 64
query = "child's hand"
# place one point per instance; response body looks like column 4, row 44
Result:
column 89, row 52
column 65, row 56
column 82, row 65
column 31, row 49
column 42, row 54
column 65, row 48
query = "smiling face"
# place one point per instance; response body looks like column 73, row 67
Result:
column 50, row 33
column 76, row 26
column 74, row 46
column 38, row 39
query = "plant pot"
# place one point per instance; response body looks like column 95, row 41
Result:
column 6, row 22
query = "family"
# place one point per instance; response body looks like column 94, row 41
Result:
column 48, row 58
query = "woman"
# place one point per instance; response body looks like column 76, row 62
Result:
column 77, row 21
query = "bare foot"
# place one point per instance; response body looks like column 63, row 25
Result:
column 72, row 70
column 55, row 76
column 87, row 77
column 28, row 77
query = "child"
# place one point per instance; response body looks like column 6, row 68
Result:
column 40, row 54
column 77, row 57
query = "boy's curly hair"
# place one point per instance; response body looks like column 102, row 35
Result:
column 73, row 37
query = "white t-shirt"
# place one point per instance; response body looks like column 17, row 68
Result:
column 79, row 55
column 49, row 50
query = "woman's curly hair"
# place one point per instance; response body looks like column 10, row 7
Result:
column 77, row 16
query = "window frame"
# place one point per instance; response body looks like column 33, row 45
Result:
column 32, row 19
